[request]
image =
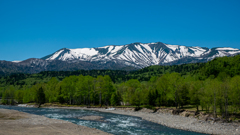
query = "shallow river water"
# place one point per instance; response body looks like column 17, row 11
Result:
column 112, row 123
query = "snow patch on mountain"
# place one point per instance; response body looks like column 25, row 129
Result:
column 198, row 51
column 86, row 51
column 236, row 52
column 173, row 47
column 227, row 48
column 55, row 55
column 16, row 61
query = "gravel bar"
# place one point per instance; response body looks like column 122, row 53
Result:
column 13, row 122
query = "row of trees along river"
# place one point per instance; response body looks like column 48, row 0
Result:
column 213, row 87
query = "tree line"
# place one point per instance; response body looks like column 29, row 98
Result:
column 214, row 88
column 171, row 89
column 117, row 76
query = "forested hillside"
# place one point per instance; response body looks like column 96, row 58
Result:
column 229, row 65
column 117, row 76
column 212, row 86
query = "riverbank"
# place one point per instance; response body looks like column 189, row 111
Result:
column 13, row 122
column 166, row 118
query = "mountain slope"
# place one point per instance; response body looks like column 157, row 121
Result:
column 37, row 65
column 142, row 55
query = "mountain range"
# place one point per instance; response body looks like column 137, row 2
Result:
column 125, row 57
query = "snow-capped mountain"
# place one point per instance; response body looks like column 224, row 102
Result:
column 140, row 55
column 126, row 57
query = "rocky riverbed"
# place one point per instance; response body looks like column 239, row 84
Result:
column 183, row 120
column 13, row 122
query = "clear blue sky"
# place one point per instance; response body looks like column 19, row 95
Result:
column 36, row 28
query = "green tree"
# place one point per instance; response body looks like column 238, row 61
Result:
column 68, row 86
column 131, row 86
column 183, row 95
column 108, row 89
column 8, row 95
column 60, row 98
column 51, row 90
column 224, row 93
column 19, row 96
column 40, row 96
column 163, row 87
column 158, row 101
column 195, row 88
column 114, row 99
column 136, row 98
column 175, row 86
column 234, row 94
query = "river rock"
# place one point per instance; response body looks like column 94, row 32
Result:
column 185, row 114
column 97, row 118
column 146, row 110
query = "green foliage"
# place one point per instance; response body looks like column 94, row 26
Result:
column 158, row 101
column 8, row 95
column 213, row 86
column 229, row 65
column 19, row 96
column 195, row 92
column 51, row 91
column 60, row 98
column 117, row 76
column 114, row 99
column 40, row 96
column 234, row 95
column 136, row 98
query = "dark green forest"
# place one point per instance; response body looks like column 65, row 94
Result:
column 117, row 76
column 213, row 86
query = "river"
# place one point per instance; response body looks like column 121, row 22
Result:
column 111, row 123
